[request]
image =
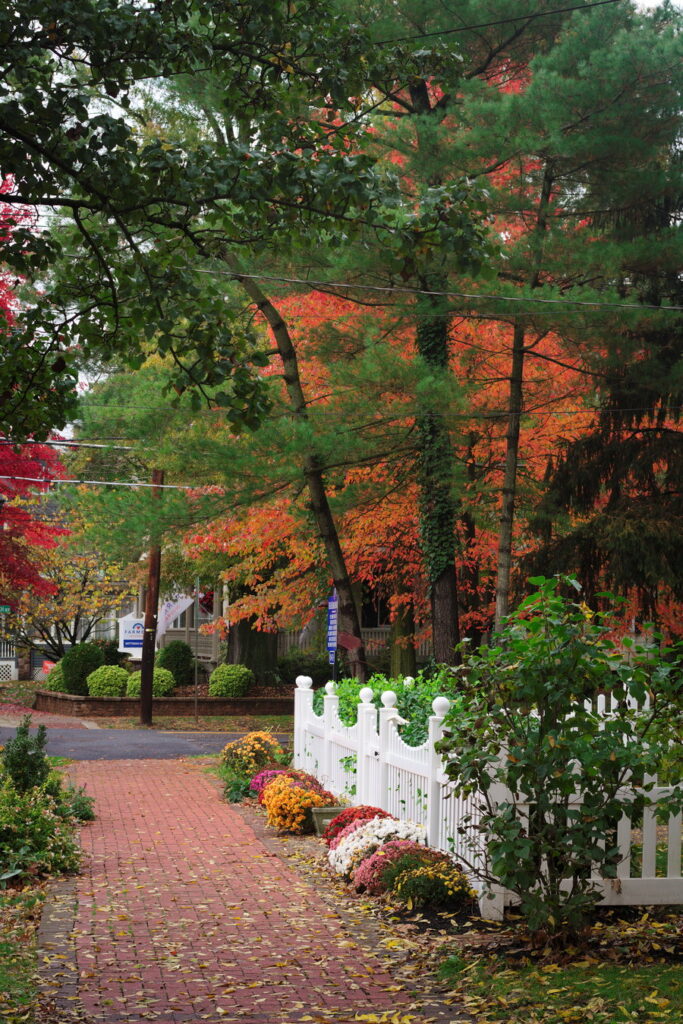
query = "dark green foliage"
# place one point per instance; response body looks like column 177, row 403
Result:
column 525, row 698
column 163, row 683
column 236, row 787
column 108, row 681
column 111, row 653
column 77, row 664
column 78, row 804
column 178, row 658
column 230, row 681
column 303, row 663
column 35, row 839
column 24, row 760
column 69, row 801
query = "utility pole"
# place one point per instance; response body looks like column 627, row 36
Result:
column 151, row 609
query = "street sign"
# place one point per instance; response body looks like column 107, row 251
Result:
column 332, row 609
column 5, row 609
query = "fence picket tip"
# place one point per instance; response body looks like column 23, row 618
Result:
column 304, row 682
column 389, row 699
column 366, row 695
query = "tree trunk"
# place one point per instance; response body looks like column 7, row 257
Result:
column 437, row 502
column 255, row 649
column 402, row 643
column 313, row 471
column 507, row 514
column 515, row 403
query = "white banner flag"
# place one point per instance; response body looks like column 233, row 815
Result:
column 170, row 610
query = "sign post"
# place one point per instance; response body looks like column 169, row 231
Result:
column 332, row 612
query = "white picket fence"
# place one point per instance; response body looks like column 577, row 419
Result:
column 370, row 763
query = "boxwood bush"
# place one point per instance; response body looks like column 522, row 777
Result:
column 54, row 681
column 163, row 683
column 230, row 681
column 108, row 681
column 77, row 664
column 178, row 658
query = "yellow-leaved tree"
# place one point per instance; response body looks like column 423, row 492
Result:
column 80, row 588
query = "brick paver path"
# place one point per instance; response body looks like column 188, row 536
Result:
column 185, row 915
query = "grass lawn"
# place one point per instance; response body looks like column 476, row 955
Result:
column 19, row 916
column 210, row 723
column 631, row 974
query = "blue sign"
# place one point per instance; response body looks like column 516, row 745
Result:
column 332, row 609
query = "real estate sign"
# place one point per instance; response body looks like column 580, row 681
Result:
column 131, row 632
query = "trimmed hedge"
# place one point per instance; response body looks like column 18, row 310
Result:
column 108, row 681
column 178, row 658
column 230, row 681
column 163, row 683
column 77, row 664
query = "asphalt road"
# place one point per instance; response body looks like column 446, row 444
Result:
column 125, row 744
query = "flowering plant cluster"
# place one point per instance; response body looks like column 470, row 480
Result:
column 304, row 781
column 361, row 813
column 369, row 876
column 262, row 778
column 288, row 803
column 251, row 752
column 365, row 840
column 441, row 883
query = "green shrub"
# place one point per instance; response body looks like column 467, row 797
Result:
column 77, row 664
column 525, row 697
column 24, row 761
column 230, row 681
column 70, row 801
column 54, row 680
column 414, row 699
column 108, row 681
column 111, row 653
column 34, row 839
column 302, row 663
column 178, row 658
column 163, row 683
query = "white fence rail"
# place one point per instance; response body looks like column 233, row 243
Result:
column 370, row 763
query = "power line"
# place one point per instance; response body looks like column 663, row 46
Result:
column 490, row 24
column 441, row 294
column 101, row 483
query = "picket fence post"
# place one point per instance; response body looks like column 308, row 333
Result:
column 303, row 709
column 368, row 750
column 440, row 707
column 330, row 710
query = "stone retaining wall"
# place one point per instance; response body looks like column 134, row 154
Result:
column 129, row 707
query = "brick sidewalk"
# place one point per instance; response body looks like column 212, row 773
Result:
column 184, row 914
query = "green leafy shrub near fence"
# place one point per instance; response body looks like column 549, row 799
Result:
column 230, row 681
column 414, row 698
column 77, row 664
column 163, row 683
column 525, row 726
column 178, row 658
column 108, row 681
column 54, row 681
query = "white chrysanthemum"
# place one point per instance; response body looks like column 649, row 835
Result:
column 367, row 839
